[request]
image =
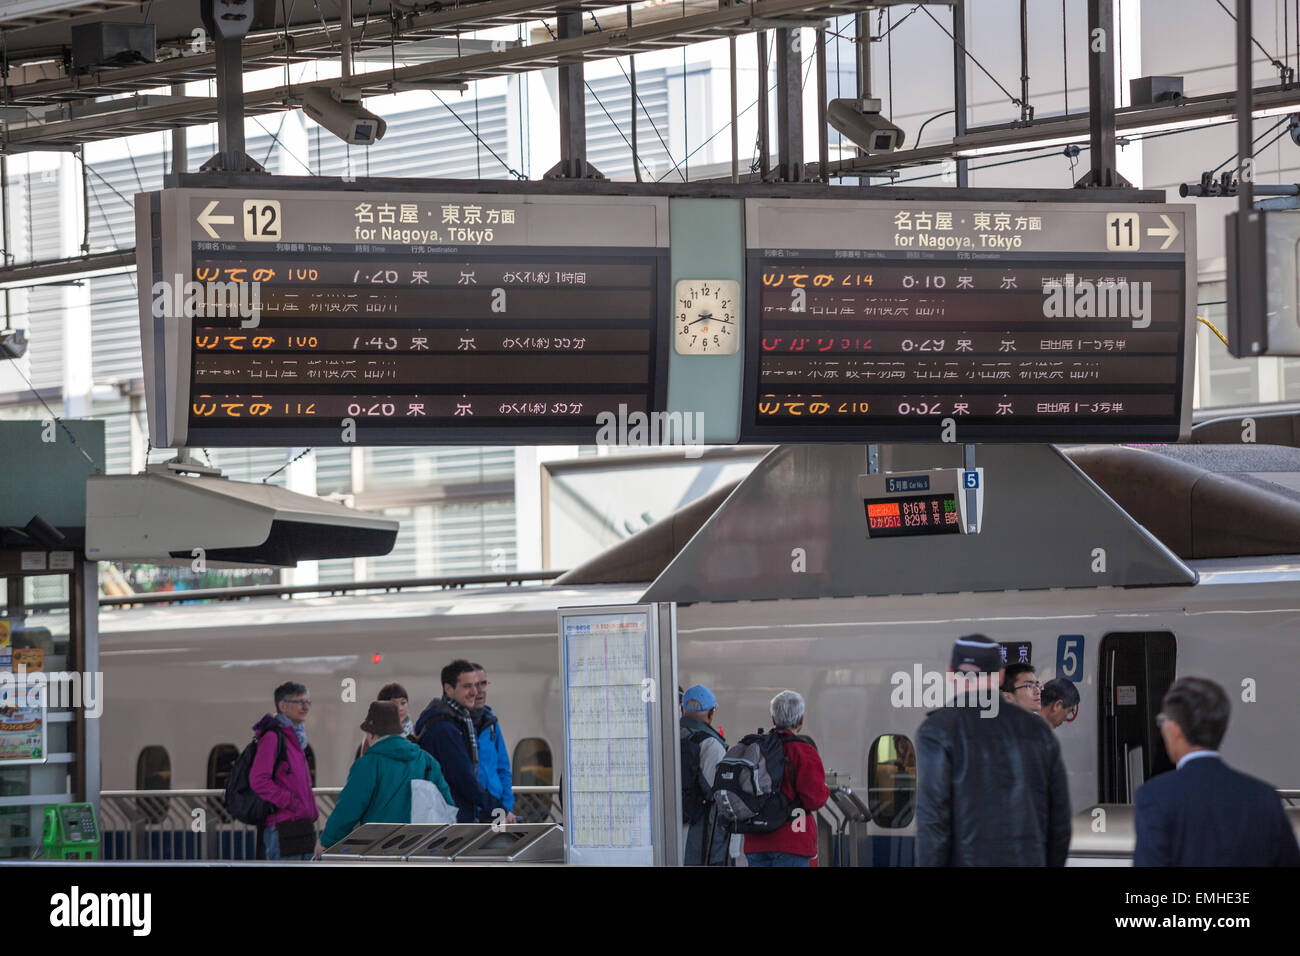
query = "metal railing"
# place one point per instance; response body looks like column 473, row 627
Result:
column 195, row 825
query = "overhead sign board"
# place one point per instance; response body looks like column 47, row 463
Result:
column 938, row 501
column 307, row 317
column 968, row 321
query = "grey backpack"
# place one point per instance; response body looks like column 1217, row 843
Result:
column 747, row 785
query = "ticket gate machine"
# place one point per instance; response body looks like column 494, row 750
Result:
column 445, row 843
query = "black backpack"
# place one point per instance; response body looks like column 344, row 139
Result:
column 242, row 801
column 695, row 802
column 747, row 785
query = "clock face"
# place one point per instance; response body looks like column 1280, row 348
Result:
column 706, row 317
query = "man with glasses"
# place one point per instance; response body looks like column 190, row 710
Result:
column 1204, row 813
column 280, row 775
column 1021, row 687
column 1059, row 701
column 493, row 759
column 446, row 731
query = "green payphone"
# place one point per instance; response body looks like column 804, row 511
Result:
column 71, row 832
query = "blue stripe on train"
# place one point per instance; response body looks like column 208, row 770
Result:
column 179, row 845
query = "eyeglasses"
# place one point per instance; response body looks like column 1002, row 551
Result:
column 1161, row 720
column 301, row 702
column 1034, row 684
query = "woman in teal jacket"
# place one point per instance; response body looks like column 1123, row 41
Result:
column 379, row 784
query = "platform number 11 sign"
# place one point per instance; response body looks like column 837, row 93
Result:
column 1123, row 232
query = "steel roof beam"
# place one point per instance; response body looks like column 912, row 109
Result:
column 675, row 32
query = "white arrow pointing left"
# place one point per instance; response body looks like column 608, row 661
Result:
column 1171, row 232
column 207, row 220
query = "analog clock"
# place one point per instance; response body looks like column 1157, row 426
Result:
column 706, row 317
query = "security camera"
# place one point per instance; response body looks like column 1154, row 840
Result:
column 861, row 122
column 341, row 112
column 13, row 343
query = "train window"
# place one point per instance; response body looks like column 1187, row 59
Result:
column 531, row 767
column 153, row 769
column 220, row 759
column 532, row 763
column 891, row 781
column 311, row 763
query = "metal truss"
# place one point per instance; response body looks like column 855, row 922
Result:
column 614, row 41
column 20, row 15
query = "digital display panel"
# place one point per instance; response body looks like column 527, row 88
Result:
column 411, row 341
column 1003, row 325
column 912, row 515
column 406, row 320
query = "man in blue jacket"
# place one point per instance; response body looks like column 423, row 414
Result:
column 446, row 731
column 493, row 759
column 1204, row 813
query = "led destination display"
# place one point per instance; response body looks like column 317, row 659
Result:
column 913, row 515
column 871, row 321
column 404, row 319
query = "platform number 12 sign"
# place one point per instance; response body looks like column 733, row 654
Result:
column 262, row 221
column 1069, row 657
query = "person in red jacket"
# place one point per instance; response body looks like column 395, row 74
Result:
column 804, row 783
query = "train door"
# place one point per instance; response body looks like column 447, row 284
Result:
column 1136, row 671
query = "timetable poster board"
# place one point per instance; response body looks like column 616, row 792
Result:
column 997, row 321
column 23, row 724
column 286, row 317
column 609, row 661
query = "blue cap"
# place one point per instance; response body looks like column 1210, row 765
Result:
column 699, row 699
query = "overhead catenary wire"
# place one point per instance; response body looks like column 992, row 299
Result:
column 653, row 125
column 1282, row 67
column 61, row 423
column 970, row 56
column 305, row 452
column 1256, row 140
column 495, row 155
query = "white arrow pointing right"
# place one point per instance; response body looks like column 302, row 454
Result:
column 207, row 220
column 1171, row 232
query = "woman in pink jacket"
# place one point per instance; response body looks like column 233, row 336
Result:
column 280, row 775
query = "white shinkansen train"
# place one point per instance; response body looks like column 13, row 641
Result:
column 186, row 683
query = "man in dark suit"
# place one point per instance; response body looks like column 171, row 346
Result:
column 1204, row 813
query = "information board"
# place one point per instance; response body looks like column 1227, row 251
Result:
column 963, row 321
column 302, row 317
column 616, row 769
column 913, row 515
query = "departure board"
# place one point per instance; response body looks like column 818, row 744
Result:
column 279, row 317
column 875, row 321
column 913, row 515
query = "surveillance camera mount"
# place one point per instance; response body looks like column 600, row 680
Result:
column 228, row 22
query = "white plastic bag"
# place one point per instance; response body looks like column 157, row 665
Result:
column 428, row 805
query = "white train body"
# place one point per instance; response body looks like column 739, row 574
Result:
column 189, row 678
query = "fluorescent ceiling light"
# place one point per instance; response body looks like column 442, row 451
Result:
column 1125, row 125
column 67, row 278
